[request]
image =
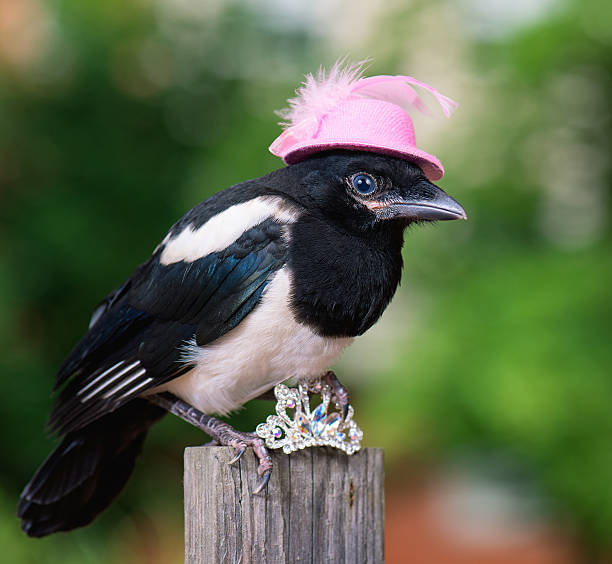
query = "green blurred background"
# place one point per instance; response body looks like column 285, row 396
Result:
column 488, row 380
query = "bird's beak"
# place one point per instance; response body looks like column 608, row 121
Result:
column 425, row 203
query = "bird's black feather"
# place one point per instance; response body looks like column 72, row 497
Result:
column 86, row 471
column 160, row 310
column 344, row 283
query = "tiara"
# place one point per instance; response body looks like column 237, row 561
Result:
column 295, row 426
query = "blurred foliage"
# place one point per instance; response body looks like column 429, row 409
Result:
column 133, row 112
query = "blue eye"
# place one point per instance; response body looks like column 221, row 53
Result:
column 364, row 183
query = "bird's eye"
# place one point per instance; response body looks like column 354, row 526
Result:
column 363, row 183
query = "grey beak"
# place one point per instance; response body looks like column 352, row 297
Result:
column 433, row 205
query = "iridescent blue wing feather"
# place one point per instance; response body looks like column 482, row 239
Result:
column 137, row 334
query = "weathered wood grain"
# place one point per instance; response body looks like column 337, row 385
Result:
column 321, row 506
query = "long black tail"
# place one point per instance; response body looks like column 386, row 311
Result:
column 86, row 471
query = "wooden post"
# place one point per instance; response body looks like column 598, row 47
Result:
column 321, row 506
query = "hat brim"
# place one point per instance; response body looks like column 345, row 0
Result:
column 430, row 165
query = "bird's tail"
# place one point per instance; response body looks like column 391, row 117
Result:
column 86, row 471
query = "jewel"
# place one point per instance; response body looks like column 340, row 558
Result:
column 318, row 420
column 331, row 423
column 308, row 428
column 302, row 423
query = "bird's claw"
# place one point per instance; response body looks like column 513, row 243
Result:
column 265, row 464
column 264, row 482
column 238, row 455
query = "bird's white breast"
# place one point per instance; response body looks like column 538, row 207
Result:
column 267, row 347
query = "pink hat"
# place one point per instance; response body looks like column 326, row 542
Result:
column 344, row 111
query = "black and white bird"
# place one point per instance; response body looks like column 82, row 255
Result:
column 269, row 279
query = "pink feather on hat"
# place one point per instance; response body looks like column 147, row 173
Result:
column 341, row 109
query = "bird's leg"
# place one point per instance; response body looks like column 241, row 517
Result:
column 341, row 393
column 221, row 432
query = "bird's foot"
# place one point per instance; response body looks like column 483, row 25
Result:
column 340, row 392
column 221, row 433
column 240, row 440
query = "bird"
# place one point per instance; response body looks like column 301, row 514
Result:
column 268, row 279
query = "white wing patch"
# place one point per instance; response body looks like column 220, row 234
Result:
column 122, row 374
column 223, row 229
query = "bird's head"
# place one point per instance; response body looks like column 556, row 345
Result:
column 364, row 191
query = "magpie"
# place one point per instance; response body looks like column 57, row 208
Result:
column 269, row 279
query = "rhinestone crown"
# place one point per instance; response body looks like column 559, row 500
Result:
column 296, row 427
